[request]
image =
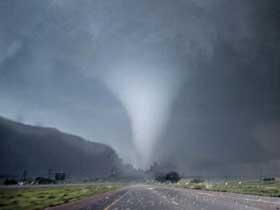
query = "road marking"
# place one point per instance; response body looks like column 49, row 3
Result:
column 242, row 199
column 207, row 194
column 117, row 200
column 175, row 203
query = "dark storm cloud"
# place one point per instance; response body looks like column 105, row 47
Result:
column 233, row 98
column 55, row 54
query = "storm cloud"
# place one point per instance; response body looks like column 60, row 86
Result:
column 191, row 82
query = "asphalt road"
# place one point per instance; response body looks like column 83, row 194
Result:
column 146, row 197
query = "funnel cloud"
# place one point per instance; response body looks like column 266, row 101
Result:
column 147, row 95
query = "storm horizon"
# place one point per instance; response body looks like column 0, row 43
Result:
column 194, row 85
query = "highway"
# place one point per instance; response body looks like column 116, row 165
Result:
column 150, row 197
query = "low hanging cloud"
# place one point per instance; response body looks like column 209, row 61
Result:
column 9, row 51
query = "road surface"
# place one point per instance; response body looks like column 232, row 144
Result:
column 148, row 197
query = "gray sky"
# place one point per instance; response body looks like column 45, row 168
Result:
column 193, row 82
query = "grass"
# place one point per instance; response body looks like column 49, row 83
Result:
column 261, row 188
column 40, row 198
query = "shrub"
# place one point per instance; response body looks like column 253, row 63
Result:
column 172, row 177
column 196, row 181
column 268, row 179
column 42, row 180
column 10, row 182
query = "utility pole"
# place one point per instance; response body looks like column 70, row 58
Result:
column 24, row 175
column 50, row 173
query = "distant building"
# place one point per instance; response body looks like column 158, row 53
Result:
column 60, row 176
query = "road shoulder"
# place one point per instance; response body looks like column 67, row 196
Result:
column 92, row 203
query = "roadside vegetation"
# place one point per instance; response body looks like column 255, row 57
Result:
column 38, row 198
column 262, row 188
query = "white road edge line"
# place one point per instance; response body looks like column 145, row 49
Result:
column 245, row 199
column 175, row 203
column 112, row 204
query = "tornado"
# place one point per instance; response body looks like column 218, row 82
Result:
column 147, row 94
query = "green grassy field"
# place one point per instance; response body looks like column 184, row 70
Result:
column 244, row 187
column 40, row 198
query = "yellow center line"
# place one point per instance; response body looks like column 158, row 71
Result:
column 117, row 200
